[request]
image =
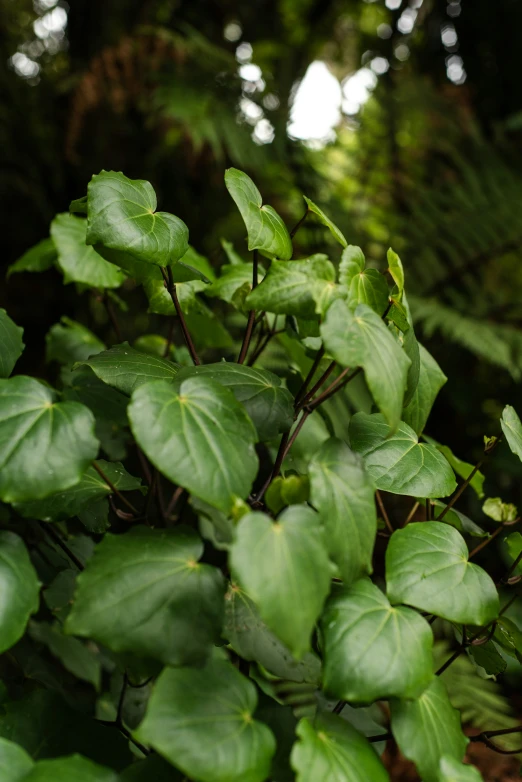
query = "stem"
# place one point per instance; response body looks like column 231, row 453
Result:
column 459, row 491
column 59, row 542
column 251, row 316
column 174, row 501
column 170, row 337
column 326, row 374
column 513, row 567
column 115, row 491
column 277, row 466
column 171, row 287
column 308, row 378
column 383, row 511
column 119, row 713
column 151, row 492
column 298, row 225
column 411, row 514
column 112, row 317
column 428, row 510
column 333, row 388
column 258, row 352
column 486, row 542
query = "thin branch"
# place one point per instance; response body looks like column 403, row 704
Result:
column 333, row 389
column 411, row 514
column 486, row 542
column 47, row 528
column 265, row 343
column 276, row 468
column 299, row 223
column 428, row 510
column 513, row 567
column 324, row 377
column 310, row 375
column 173, row 501
column 171, row 287
column 251, row 315
column 487, row 451
column 115, row 491
column 383, row 511
column 112, row 316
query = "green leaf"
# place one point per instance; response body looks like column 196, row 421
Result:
column 249, row 636
column 198, row 436
column 336, row 233
column 361, row 339
column 399, row 463
column 369, row 287
column 67, row 769
column 411, row 348
column 78, row 658
column 11, row 344
column 303, row 288
column 266, row 231
column 122, row 216
column 343, row 493
column 78, row 262
column 514, row 545
column 398, row 315
column 91, row 488
column 512, row 428
column 15, row 763
column 331, row 750
column 431, row 380
column 427, row 567
column 267, row 402
column 463, row 469
column 352, row 263
column 45, row 446
column 19, row 587
column 233, row 257
column 487, row 657
column 498, row 510
column 36, row 259
column 105, row 402
column 69, row 341
column 373, row 651
column 152, row 769
column 460, row 521
column 79, row 205
column 282, row 565
column 169, row 607
column 427, row 729
column 450, row 770
column 396, row 270
column 201, row 721
column 231, row 279
column 508, row 636
column 126, row 369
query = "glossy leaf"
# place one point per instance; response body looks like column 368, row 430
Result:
column 267, row 402
column 15, row 763
column 19, row 587
column 122, row 216
column 201, row 720
column 266, row 231
column 126, row 369
column 512, row 428
column 427, row 567
column 331, row 750
column 450, row 770
column 231, row 279
column 282, row 565
column 303, row 288
column 145, row 592
column 396, row 270
column 488, row 657
column 78, row 261
column 372, row 650
column 36, row 259
column 45, row 446
column 399, row 463
column 342, row 492
column 369, row 287
column 361, row 339
column 69, row 341
column 431, row 379
column 411, row 348
column 352, row 263
column 325, row 220
column 249, row 636
column 428, row 729
column 11, row 344
column 198, row 436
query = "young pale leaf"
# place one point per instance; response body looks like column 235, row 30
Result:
column 201, row 720
column 69, row 341
column 325, row 220
column 343, row 493
column 170, row 607
column 79, row 262
column 249, row 636
column 462, row 468
column 126, row 369
column 431, row 380
column 427, row 567
column 45, row 446
column 198, row 436
column 15, row 763
column 427, row 729
column 512, row 428
column 361, row 339
column 19, row 587
column 399, row 463
column 91, row 487
column 122, row 216
column 498, row 510
column 283, row 565
column 11, row 344
column 302, row 288
column 266, row 231
column 74, row 767
column 450, row 770
column 267, row 402
column 396, row 270
column 37, row 259
column 352, row 263
column 373, row 651
column 369, row 287
column 331, row 750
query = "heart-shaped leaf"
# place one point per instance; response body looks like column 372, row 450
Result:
column 198, row 436
column 427, row 567
column 325, row 220
column 331, row 750
column 512, row 428
column 125, row 368
column 282, row 565
column 19, row 587
column 45, row 446
column 352, row 263
column 428, row 729
column 266, row 231
column 369, row 287
column 170, row 607
column 69, row 341
column 78, row 261
column 360, row 339
column 11, row 344
column 431, row 380
column 399, row 463
column 267, row 402
column 201, row 720
column 373, row 651
column 343, row 493
column 122, row 216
